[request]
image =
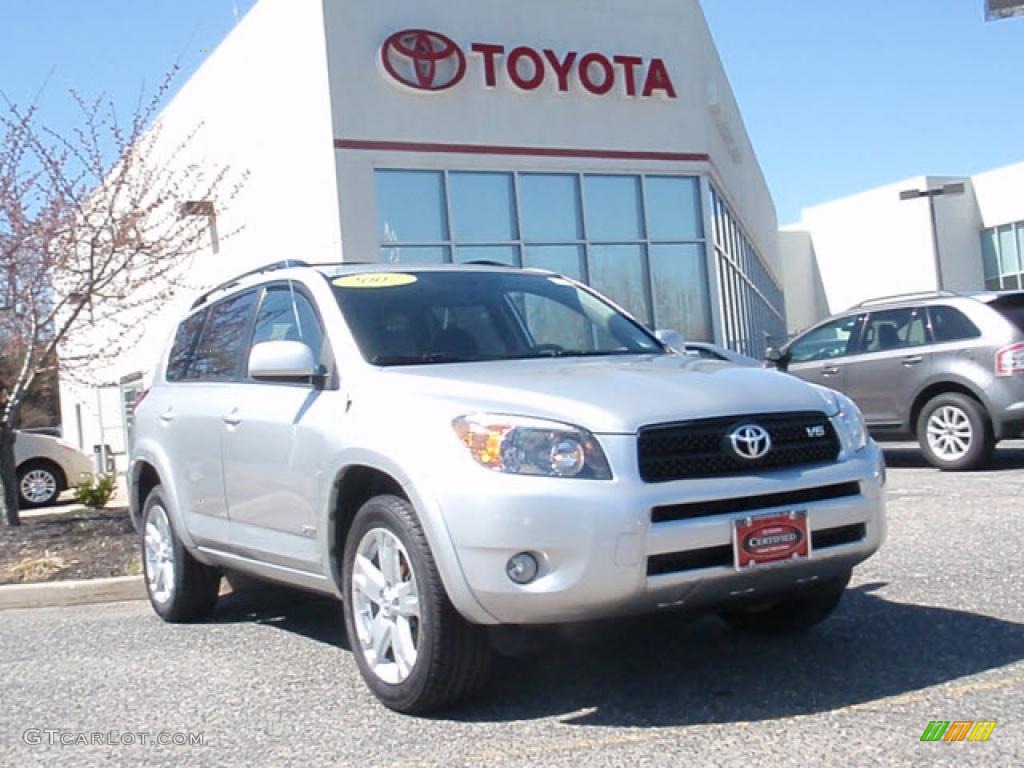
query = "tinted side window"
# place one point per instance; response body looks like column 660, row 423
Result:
column 287, row 315
column 894, row 329
column 184, row 345
column 218, row 354
column 950, row 324
column 830, row 340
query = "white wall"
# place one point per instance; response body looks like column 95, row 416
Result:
column 261, row 103
column 1001, row 195
column 806, row 301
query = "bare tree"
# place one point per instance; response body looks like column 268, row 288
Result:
column 98, row 225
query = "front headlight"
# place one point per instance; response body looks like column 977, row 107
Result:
column 854, row 428
column 520, row 445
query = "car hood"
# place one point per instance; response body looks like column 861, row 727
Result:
column 610, row 395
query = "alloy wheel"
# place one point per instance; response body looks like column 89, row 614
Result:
column 386, row 605
column 38, row 486
column 159, row 554
column 949, row 433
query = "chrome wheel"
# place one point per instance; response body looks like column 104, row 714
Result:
column 38, row 486
column 159, row 554
column 386, row 605
column 949, row 433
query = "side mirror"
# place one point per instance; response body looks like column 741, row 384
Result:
column 282, row 360
column 776, row 357
column 672, row 339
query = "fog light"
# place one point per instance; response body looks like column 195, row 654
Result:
column 522, row 568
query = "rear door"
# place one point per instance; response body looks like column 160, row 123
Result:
column 192, row 409
column 892, row 361
column 820, row 355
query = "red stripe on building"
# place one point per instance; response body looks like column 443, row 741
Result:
column 483, row 149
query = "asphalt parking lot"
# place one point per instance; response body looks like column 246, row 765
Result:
column 931, row 629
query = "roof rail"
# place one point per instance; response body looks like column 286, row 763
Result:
column 905, row 297
column 286, row 264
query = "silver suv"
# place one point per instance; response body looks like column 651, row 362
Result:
column 944, row 368
column 447, row 448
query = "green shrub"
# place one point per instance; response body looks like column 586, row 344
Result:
column 95, row 493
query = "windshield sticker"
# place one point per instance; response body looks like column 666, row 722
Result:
column 375, row 280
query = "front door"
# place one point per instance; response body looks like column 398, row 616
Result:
column 273, row 447
column 820, row 355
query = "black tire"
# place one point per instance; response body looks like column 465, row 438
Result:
column 982, row 438
column 194, row 586
column 49, row 468
column 797, row 613
column 453, row 656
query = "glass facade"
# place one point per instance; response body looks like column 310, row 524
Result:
column 1002, row 251
column 638, row 239
column 752, row 302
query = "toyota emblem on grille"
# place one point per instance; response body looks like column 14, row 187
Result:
column 750, row 442
column 424, row 60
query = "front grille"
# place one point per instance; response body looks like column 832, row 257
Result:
column 701, row 448
column 698, row 509
column 717, row 557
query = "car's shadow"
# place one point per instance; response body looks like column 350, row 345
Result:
column 910, row 457
column 669, row 670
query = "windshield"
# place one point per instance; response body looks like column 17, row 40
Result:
column 419, row 318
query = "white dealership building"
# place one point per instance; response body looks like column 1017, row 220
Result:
column 597, row 138
column 955, row 233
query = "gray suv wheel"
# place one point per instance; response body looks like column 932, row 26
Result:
column 955, row 432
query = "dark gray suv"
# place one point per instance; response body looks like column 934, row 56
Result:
column 944, row 368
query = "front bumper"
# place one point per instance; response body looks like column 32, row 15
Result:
column 601, row 555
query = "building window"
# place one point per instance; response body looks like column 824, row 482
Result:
column 1002, row 252
column 753, row 305
column 639, row 239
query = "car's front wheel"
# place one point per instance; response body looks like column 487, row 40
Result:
column 180, row 588
column 797, row 613
column 413, row 649
column 955, row 433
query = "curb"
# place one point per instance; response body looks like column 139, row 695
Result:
column 58, row 593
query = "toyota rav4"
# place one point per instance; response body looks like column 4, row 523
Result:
column 447, row 448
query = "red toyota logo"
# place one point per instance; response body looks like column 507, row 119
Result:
column 424, row 60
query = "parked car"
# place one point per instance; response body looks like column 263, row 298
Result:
column 47, row 466
column 942, row 368
column 446, row 448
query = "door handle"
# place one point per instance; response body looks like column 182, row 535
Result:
column 912, row 360
column 830, row 370
column 232, row 419
column 167, row 416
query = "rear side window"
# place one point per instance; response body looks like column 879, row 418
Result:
column 1012, row 308
column 950, row 324
column 219, row 351
column 185, row 341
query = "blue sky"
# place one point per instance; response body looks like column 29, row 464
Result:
column 837, row 96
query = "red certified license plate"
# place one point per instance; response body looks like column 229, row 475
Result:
column 770, row 539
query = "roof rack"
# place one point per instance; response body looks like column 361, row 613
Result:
column 287, row 264
column 905, row 297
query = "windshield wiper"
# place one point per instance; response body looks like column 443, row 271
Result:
column 427, row 358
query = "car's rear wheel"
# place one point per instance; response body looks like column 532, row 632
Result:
column 796, row 613
column 955, row 432
column 413, row 649
column 39, row 484
column 180, row 588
